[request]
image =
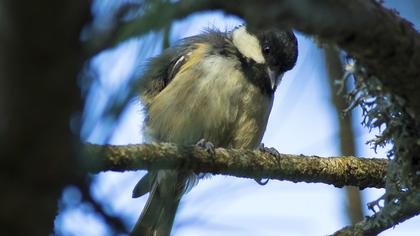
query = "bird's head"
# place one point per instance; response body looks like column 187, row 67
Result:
column 275, row 49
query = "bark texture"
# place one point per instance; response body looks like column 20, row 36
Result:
column 337, row 171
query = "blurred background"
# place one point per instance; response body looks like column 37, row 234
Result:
column 306, row 119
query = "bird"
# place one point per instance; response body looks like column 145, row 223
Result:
column 215, row 89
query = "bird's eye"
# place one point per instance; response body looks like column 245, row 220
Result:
column 266, row 49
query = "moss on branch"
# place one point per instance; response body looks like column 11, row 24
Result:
column 337, row 171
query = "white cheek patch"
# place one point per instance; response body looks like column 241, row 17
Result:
column 248, row 45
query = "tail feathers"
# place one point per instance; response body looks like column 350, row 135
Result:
column 159, row 212
column 144, row 185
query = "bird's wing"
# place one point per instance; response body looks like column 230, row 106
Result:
column 161, row 71
column 164, row 68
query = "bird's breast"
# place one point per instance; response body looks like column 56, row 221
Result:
column 210, row 98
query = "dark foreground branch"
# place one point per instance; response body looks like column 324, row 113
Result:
column 338, row 171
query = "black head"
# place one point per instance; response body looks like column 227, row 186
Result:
column 269, row 52
column 279, row 49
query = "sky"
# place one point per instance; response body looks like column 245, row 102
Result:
column 302, row 121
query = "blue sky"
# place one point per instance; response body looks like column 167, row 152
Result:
column 302, row 121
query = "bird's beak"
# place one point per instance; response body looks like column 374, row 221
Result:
column 274, row 77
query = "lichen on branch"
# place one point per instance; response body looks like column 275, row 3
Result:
column 337, row 171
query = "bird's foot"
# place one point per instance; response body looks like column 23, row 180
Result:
column 270, row 150
column 208, row 146
column 376, row 204
column 273, row 152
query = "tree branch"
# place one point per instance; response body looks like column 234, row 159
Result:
column 337, row 171
column 407, row 208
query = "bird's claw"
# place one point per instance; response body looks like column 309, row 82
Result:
column 208, row 146
column 270, row 150
column 274, row 153
column 262, row 182
column 377, row 203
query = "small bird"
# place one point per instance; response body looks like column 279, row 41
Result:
column 217, row 87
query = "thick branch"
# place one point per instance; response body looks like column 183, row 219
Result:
column 338, row 171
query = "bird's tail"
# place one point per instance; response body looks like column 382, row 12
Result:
column 159, row 212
